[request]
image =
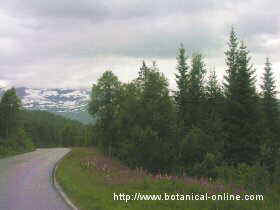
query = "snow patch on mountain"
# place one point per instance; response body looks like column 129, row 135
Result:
column 58, row 99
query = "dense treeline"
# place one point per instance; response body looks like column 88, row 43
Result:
column 13, row 138
column 49, row 130
column 22, row 130
column 205, row 128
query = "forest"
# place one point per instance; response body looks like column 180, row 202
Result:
column 206, row 128
column 25, row 130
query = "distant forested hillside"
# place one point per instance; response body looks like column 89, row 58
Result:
column 49, row 130
column 81, row 116
column 23, row 130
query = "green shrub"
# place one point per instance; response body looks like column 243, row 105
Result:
column 207, row 168
column 19, row 142
column 253, row 178
column 24, row 141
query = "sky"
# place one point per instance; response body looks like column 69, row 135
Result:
column 70, row 43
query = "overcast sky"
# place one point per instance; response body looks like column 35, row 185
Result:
column 70, row 43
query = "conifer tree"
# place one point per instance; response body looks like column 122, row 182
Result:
column 232, row 66
column 182, row 78
column 270, row 110
column 246, row 91
column 240, row 82
column 156, row 120
column 213, row 88
column 195, row 88
column 9, row 107
column 269, row 101
column 242, row 115
column 143, row 71
column 214, row 95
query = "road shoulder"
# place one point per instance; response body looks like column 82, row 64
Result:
column 58, row 188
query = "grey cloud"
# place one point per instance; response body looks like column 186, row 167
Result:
column 57, row 9
column 104, row 9
column 256, row 24
column 50, row 36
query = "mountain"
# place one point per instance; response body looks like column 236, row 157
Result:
column 70, row 103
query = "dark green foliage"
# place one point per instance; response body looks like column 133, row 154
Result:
column 140, row 127
column 9, row 107
column 227, row 131
column 49, row 130
column 17, row 143
column 103, row 106
column 156, row 120
column 205, row 130
column 215, row 101
column 246, row 98
column 143, row 72
column 182, row 80
column 13, row 138
column 269, row 102
column 81, row 116
column 23, row 140
column 242, row 118
column 213, row 88
column 22, row 131
column 232, row 67
column 195, row 90
column 207, row 167
column 253, row 178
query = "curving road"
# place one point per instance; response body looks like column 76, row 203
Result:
column 25, row 181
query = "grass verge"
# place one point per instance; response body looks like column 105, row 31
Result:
column 13, row 153
column 89, row 179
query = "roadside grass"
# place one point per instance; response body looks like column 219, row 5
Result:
column 5, row 153
column 90, row 180
column 10, row 153
column 11, row 146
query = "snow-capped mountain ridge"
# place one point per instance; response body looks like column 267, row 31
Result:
column 56, row 99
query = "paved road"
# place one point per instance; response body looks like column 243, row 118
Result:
column 25, row 181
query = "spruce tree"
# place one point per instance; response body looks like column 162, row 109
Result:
column 270, row 112
column 269, row 101
column 232, row 66
column 9, row 107
column 213, row 88
column 143, row 71
column 214, row 95
column 246, row 91
column 195, row 89
column 242, row 115
column 182, row 78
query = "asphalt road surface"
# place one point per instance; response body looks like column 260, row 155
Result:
column 25, row 181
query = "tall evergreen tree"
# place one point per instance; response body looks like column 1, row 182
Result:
column 9, row 107
column 214, row 95
column 195, row 89
column 182, row 79
column 213, row 88
column 230, row 84
column 269, row 101
column 270, row 110
column 246, row 90
column 156, row 121
column 242, row 115
column 143, row 71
